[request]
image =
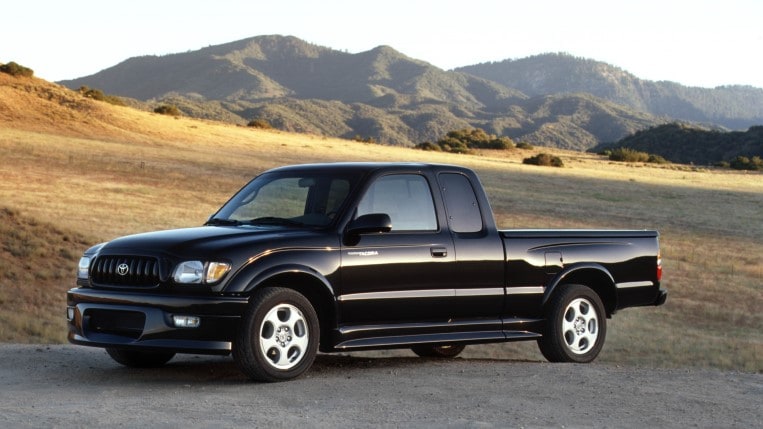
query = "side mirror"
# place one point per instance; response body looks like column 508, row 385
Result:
column 370, row 223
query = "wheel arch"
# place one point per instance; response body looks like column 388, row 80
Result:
column 594, row 276
column 308, row 283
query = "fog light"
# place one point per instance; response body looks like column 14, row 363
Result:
column 186, row 321
column 70, row 313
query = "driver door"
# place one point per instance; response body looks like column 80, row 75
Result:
column 403, row 275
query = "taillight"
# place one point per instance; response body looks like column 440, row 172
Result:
column 659, row 267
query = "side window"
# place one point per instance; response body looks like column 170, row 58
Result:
column 406, row 198
column 461, row 203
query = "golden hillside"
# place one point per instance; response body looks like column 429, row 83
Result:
column 76, row 171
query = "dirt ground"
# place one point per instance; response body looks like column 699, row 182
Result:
column 71, row 386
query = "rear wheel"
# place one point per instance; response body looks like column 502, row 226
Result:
column 575, row 325
column 278, row 336
column 139, row 359
column 438, row 350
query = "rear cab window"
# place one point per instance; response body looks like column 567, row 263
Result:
column 461, row 206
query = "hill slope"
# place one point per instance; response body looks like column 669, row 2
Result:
column 380, row 93
column 33, row 283
column 734, row 107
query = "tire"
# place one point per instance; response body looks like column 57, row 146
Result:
column 438, row 350
column 139, row 359
column 576, row 325
column 278, row 336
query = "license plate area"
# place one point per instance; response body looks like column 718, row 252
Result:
column 115, row 322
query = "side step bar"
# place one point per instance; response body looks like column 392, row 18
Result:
column 403, row 341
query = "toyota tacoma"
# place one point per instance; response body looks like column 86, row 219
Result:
column 357, row 256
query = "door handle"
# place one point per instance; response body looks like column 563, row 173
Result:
column 439, row 252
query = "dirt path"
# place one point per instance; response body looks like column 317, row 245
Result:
column 68, row 386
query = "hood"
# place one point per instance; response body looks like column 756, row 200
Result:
column 203, row 241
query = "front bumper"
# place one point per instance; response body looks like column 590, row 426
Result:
column 144, row 321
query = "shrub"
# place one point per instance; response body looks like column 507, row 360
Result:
column 15, row 69
column 525, row 146
column 167, row 109
column 429, row 146
column 453, row 145
column 745, row 163
column 464, row 140
column 97, row 94
column 545, row 160
column 360, row 139
column 624, row 154
column 259, row 123
column 500, row 143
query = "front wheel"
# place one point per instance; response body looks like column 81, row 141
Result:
column 575, row 325
column 278, row 336
column 139, row 359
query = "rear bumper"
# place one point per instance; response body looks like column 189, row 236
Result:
column 140, row 321
column 662, row 295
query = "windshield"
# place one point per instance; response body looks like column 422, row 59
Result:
column 310, row 199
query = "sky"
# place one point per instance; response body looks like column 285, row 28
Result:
column 696, row 43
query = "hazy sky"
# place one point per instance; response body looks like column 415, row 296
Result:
column 695, row 42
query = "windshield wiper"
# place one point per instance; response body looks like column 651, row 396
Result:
column 271, row 220
column 225, row 222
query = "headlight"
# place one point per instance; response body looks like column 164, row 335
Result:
column 196, row 272
column 189, row 272
column 83, row 267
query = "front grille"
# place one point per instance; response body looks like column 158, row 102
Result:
column 126, row 271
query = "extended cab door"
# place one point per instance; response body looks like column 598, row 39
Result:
column 404, row 275
column 479, row 267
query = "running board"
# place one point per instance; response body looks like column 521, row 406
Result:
column 403, row 341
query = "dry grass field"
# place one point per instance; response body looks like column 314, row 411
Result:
column 76, row 172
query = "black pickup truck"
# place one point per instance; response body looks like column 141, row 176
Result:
column 356, row 256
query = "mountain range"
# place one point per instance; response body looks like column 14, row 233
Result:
column 548, row 100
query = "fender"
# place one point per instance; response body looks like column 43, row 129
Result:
column 575, row 269
column 248, row 279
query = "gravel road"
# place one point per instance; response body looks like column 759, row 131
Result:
column 69, row 386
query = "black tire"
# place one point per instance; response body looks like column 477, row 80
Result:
column 576, row 325
column 140, row 359
column 438, row 350
column 278, row 336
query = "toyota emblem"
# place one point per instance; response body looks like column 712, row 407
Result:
column 123, row 269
